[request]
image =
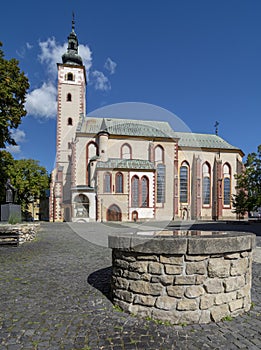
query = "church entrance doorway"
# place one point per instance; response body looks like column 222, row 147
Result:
column 114, row 213
column 81, row 206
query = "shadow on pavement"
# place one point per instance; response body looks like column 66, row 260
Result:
column 101, row 280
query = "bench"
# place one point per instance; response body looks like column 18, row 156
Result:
column 9, row 238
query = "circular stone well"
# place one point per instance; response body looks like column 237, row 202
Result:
column 182, row 277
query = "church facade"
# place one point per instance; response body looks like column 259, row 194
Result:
column 110, row 169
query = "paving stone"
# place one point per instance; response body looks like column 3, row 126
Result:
column 55, row 294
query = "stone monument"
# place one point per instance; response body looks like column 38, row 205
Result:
column 10, row 208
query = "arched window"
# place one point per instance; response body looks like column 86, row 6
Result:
column 206, row 184
column 69, row 97
column 159, row 154
column 144, row 192
column 107, row 183
column 69, row 121
column 184, row 183
column 226, row 185
column 119, row 183
column 91, row 151
column 70, row 76
column 161, row 174
column 135, row 192
column 126, row 151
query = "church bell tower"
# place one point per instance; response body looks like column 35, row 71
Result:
column 71, row 105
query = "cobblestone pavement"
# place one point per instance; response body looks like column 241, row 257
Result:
column 54, row 294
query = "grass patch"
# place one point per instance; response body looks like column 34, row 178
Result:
column 227, row 318
column 117, row 308
column 14, row 219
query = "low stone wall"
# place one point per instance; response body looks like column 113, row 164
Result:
column 26, row 232
column 183, row 279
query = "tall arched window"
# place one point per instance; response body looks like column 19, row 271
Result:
column 69, row 121
column 92, row 150
column 206, row 184
column 226, row 185
column 159, row 154
column 69, row 97
column 107, row 183
column 126, row 151
column 184, row 183
column 119, row 183
column 135, row 192
column 161, row 174
column 144, row 191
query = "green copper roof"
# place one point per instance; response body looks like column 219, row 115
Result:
column 127, row 127
column 114, row 163
column 151, row 129
column 187, row 139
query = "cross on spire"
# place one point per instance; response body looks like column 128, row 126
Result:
column 73, row 22
column 216, row 127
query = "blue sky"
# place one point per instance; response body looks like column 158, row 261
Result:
column 199, row 59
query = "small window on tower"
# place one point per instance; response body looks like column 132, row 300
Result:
column 70, row 121
column 69, row 97
column 69, row 76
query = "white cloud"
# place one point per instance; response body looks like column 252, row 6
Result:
column 29, row 46
column 23, row 50
column 19, row 137
column 51, row 53
column 42, row 102
column 101, row 82
column 86, row 55
column 110, row 65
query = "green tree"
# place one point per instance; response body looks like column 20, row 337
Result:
column 13, row 87
column 6, row 161
column 30, row 179
column 240, row 203
column 250, row 182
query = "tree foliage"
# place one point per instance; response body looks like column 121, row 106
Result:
column 240, row 203
column 6, row 161
column 13, row 87
column 30, row 179
column 249, row 183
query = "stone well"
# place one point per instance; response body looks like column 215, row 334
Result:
column 182, row 277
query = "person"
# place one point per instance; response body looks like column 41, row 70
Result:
column 10, row 192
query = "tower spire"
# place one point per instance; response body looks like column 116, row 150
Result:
column 73, row 22
column 72, row 56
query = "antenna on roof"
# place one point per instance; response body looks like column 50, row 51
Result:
column 216, row 127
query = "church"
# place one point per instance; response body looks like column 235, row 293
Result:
column 110, row 169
